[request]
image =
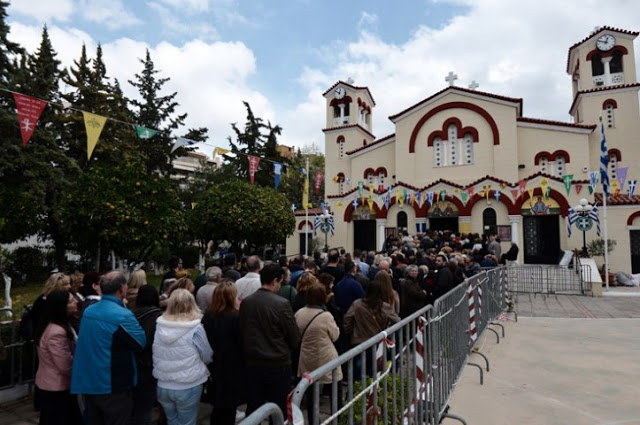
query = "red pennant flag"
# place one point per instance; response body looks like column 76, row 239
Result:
column 319, row 177
column 523, row 187
column 514, row 193
column 253, row 166
column 29, row 110
column 470, row 190
column 578, row 188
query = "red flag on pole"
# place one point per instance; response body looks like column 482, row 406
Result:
column 29, row 110
column 523, row 187
column 253, row 166
column 319, row 177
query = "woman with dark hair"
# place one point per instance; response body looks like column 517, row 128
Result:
column 367, row 317
column 90, row 289
column 56, row 341
column 389, row 295
column 147, row 310
column 413, row 296
column 222, row 325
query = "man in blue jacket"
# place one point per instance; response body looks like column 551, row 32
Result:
column 104, row 367
column 348, row 289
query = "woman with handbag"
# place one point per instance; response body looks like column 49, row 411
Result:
column 226, row 387
column 318, row 332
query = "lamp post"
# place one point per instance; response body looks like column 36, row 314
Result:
column 584, row 222
column 326, row 224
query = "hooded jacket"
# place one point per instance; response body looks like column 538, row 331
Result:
column 181, row 352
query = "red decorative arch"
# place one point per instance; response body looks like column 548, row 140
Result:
column 381, row 170
column 541, row 155
column 615, row 152
column 348, row 211
column 444, row 133
column 620, row 49
column 466, row 209
column 632, row 217
column 341, row 178
column 611, row 102
column 340, row 138
column 562, row 201
column 302, row 223
column 346, row 99
column 453, row 199
column 567, row 158
column 369, row 170
column 453, row 105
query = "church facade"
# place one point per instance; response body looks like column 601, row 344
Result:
column 470, row 161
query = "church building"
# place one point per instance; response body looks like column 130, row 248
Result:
column 470, row 161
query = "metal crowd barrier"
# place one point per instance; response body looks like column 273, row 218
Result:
column 550, row 279
column 407, row 373
column 269, row 411
column 19, row 365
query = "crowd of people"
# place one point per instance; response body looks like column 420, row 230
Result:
column 112, row 347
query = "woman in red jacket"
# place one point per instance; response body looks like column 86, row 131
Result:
column 56, row 340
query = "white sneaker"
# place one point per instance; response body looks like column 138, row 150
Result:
column 240, row 415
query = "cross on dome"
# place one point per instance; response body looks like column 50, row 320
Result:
column 474, row 85
column 450, row 78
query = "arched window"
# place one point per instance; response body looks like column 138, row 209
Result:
column 453, row 145
column 340, row 146
column 438, row 156
column 489, row 221
column 615, row 66
column 613, row 166
column 543, row 164
column 468, row 149
column 370, row 177
column 340, row 183
column 609, row 107
column 381, row 175
column 560, row 165
column 402, row 221
column 597, row 67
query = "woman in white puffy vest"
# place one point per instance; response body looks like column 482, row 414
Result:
column 181, row 353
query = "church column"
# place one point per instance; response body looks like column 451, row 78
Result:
column 607, row 70
column 341, row 113
column 381, row 223
column 515, row 225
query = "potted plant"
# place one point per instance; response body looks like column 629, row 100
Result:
column 595, row 248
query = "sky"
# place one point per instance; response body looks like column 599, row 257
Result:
column 280, row 56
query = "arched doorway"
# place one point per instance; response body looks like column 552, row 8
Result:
column 443, row 215
column 364, row 228
column 402, row 222
column 489, row 222
column 541, row 230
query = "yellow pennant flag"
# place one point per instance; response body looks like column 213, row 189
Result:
column 371, row 190
column 339, row 205
column 413, row 198
column 220, row 151
column 94, row 125
column 487, row 191
column 544, row 183
column 193, row 205
column 615, row 187
column 370, row 202
column 530, row 190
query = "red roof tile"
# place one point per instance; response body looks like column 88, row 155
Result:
column 349, row 126
column 549, row 122
column 375, row 142
column 618, row 200
column 312, row 211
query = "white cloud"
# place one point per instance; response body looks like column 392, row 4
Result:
column 172, row 24
column 42, row 10
column 111, row 13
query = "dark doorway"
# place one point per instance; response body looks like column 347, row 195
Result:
column 541, row 239
column 444, row 223
column 403, row 221
column 634, row 236
column 489, row 222
column 302, row 241
column 364, row 235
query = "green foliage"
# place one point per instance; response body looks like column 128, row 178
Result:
column 238, row 211
column 292, row 181
column 28, row 264
column 595, row 248
column 388, row 382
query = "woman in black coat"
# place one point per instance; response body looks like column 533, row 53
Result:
column 226, row 389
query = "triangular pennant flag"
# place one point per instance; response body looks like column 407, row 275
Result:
column 430, row 198
column 29, row 110
column 371, row 190
column 615, row 187
column 419, row 198
column 193, row 205
column 335, row 178
column 621, row 173
column 443, row 195
column 407, row 197
column 387, row 200
column 567, row 179
column 220, row 151
column 487, row 191
column 631, row 188
column 355, row 203
column 591, row 190
column 253, row 167
column 360, row 186
column 93, row 125
column 277, row 171
column 470, row 190
column 578, row 189
column 544, row 183
column 593, row 180
column 514, row 194
column 523, row 187
column 370, row 202
column 503, row 185
column 530, row 190
column 412, row 198
column 464, row 196
column 180, row 142
column 339, row 204
column 144, row 133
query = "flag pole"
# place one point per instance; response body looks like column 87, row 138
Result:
column 604, row 154
column 306, row 215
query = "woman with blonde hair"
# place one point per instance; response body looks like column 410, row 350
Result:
column 305, row 282
column 182, row 283
column 228, row 370
column 389, row 295
column 55, row 282
column 137, row 279
column 181, row 353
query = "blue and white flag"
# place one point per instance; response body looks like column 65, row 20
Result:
column 303, row 171
column 316, row 223
column 332, row 225
column 430, row 198
column 632, row 187
column 604, row 163
column 293, row 208
column 277, row 170
column 325, row 208
column 573, row 216
column 593, row 215
column 180, row 142
column 593, row 180
column 355, row 203
column 496, row 194
column 419, row 198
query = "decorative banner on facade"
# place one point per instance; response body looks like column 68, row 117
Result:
column 193, row 205
column 419, row 198
column 339, row 204
column 220, row 151
column 413, row 198
column 355, row 203
column 293, row 208
column 398, row 196
column 348, row 181
column 503, row 185
column 470, row 190
column 544, row 184
column 29, row 111
column 632, row 187
column 496, row 194
column 406, row 196
column 578, row 189
column 387, row 200
column 360, row 185
column 487, row 191
column 523, row 187
column 615, row 187
column 145, row 133
column 621, row 173
column 93, row 124
column 430, row 198
column 531, row 194
column 567, row 179
column 604, row 163
column 180, row 142
column 593, row 180
column 443, row 195
column 371, row 190
column 277, row 170
column 514, row 194
column 370, row 202
column 464, row 196
column 253, row 167
column 319, row 177
column 335, row 179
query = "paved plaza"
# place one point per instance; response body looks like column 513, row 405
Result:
column 552, row 367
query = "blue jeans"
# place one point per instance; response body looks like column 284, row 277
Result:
column 180, row 406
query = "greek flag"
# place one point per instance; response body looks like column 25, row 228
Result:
column 573, row 216
column 632, row 187
column 604, row 163
column 316, row 223
column 593, row 215
column 332, row 225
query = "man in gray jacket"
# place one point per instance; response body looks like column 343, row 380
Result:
column 270, row 334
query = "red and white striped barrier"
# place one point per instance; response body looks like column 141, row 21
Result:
column 473, row 331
